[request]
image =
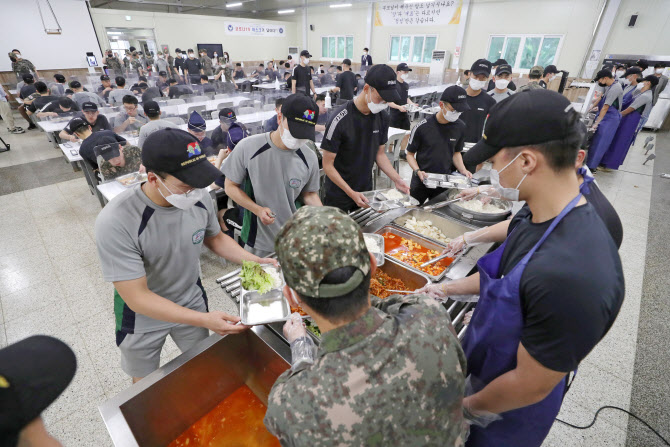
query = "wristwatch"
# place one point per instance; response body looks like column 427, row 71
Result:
column 416, row 171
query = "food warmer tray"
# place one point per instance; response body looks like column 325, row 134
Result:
column 506, row 210
column 451, row 228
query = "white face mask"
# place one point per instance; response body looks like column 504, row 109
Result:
column 506, row 193
column 404, row 77
column 626, row 81
column 305, row 61
column 183, row 201
column 450, row 115
column 659, row 70
column 620, row 73
column 501, row 84
column 365, row 53
column 215, row 55
column 639, row 86
column 289, row 140
column 18, row 56
column 476, row 84
column 376, row 108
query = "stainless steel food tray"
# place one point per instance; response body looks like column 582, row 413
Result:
column 381, row 203
column 451, row 228
column 135, row 178
column 379, row 256
column 248, row 299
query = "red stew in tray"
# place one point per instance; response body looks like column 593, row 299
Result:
column 414, row 254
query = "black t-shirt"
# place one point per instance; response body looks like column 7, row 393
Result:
column 87, row 149
column 219, row 138
column 475, row 118
column 27, row 90
column 346, row 81
column 193, row 66
column 40, row 102
column 106, row 95
column 572, row 288
column 542, row 83
column 239, row 74
column 435, row 144
column 302, row 76
column 403, row 91
column 606, row 212
column 355, row 139
column 100, row 124
column 177, row 90
column 54, row 107
column 492, row 85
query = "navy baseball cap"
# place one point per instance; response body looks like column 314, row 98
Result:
column 227, row 113
column 457, row 97
column 178, row 153
column 403, row 67
column 235, row 135
column 524, row 119
column 383, row 79
column 481, row 66
column 89, row 106
column 632, row 70
column 151, row 108
column 108, row 151
column 301, row 112
column 651, row 78
column 499, row 62
column 604, row 73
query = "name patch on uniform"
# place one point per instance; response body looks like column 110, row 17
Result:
column 198, row 236
column 295, row 183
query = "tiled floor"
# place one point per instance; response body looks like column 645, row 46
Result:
column 50, row 283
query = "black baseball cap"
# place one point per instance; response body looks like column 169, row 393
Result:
column 177, row 50
column 642, row 63
column 109, row 150
column 305, row 53
column 526, row 118
column 651, row 78
column 77, row 123
column 178, row 153
column 301, row 112
column 75, row 84
column 27, row 77
column 33, row 373
column 632, row 70
column 89, row 106
column 162, row 73
column 550, row 69
column 481, row 66
column 104, row 78
column 227, row 113
column 503, row 68
column 59, row 77
column 604, row 73
column 143, row 85
column 383, row 79
column 457, row 97
column 403, row 67
column 346, row 62
column 499, row 62
column 151, row 108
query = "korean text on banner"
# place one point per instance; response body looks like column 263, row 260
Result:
column 438, row 12
column 254, row 29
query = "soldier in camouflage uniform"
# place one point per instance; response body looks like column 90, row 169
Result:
column 389, row 373
column 170, row 60
column 149, row 62
column 126, row 62
column 135, row 64
column 113, row 63
column 22, row 66
column 535, row 74
column 115, row 162
column 206, row 62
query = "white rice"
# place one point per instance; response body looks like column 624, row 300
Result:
column 372, row 244
column 479, row 207
column 426, row 228
column 394, row 194
column 276, row 277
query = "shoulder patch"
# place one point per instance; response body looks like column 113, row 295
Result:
column 411, row 137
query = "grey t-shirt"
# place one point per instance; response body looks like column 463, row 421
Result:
column 136, row 238
column 643, row 100
column 140, row 120
column 151, row 127
column 116, row 95
column 275, row 178
column 82, row 97
column 614, row 96
column 500, row 96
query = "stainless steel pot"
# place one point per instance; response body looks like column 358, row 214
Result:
column 468, row 215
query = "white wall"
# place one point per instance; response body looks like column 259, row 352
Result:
column 328, row 22
column 186, row 31
column 21, row 28
column 649, row 36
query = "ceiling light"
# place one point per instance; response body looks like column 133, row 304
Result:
column 286, row 11
column 341, row 5
column 233, row 5
column 114, row 32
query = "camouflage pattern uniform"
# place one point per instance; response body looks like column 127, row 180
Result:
column 133, row 156
column 149, row 61
column 207, row 67
column 170, row 61
column 391, row 377
column 21, row 67
column 114, row 64
column 136, row 65
column 534, row 84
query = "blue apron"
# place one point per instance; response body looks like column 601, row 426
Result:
column 491, row 343
column 604, row 134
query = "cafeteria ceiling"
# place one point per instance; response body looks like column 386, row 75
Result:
column 251, row 9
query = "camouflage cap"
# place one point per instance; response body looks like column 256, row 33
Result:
column 537, row 70
column 317, row 241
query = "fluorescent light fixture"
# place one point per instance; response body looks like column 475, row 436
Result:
column 129, row 18
column 341, row 5
column 286, row 11
column 114, row 32
column 233, row 5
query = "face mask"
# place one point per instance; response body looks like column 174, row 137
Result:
column 183, row 201
column 451, row 115
column 501, row 84
column 376, row 108
column 404, row 77
column 365, row 53
column 626, row 81
column 659, row 71
column 639, row 86
column 215, row 55
column 506, row 193
column 289, row 140
column 18, row 56
column 620, row 73
column 476, row 84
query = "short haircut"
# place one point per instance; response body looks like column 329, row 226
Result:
column 65, row 102
column 120, row 81
column 287, row 74
column 320, row 97
column 239, row 64
column 143, row 85
column 357, row 75
column 287, row 65
column 15, row 50
column 172, row 81
column 344, row 307
column 130, row 99
column 279, row 102
column 339, row 67
column 143, row 78
column 204, row 78
column 41, row 87
column 562, row 154
column 366, row 49
column 659, row 65
column 190, row 50
column 466, row 72
column 290, row 57
column 531, row 75
column 261, row 65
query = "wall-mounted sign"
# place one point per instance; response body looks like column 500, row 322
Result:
column 438, row 12
column 254, row 29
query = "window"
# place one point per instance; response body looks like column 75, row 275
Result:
column 525, row 51
column 419, row 47
column 337, row 47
